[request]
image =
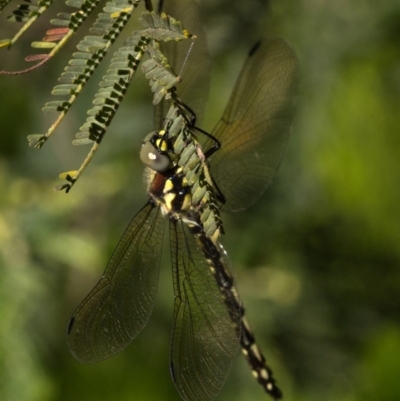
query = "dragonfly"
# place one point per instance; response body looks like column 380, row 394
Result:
column 209, row 323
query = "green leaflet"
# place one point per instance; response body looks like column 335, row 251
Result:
column 92, row 50
column 163, row 28
column 112, row 90
column 115, row 83
column 67, row 23
column 161, row 78
column 26, row 13
column 3, row 3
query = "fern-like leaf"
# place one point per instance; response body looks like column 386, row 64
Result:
column 115, row 83
column 106, row 102
column 163, row 28
column 27, row 13
column 92, row 50
column 161, row 80
column 3, row 4
column 55, row 39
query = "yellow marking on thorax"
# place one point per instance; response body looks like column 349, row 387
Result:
column 187, row 202
column 168, row 200
column 168, row 187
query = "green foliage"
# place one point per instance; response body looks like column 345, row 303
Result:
column 317, row 260
column 92, row 50
column 380, row 367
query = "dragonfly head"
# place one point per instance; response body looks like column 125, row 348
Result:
column 154, row 152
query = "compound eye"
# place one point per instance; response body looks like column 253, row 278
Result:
column 152, row 158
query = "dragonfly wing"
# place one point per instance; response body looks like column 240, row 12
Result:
column 255, row 126
column 205, row 334
column 118, row 307
column 193, row 90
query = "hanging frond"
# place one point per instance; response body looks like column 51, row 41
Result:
column 92, row 50
column 3, row 4
column 161, row 77
column 115, row 83
column 112, row 90
column 163, row 28
column 69, row 23
column 157, row 69
column 26, row 13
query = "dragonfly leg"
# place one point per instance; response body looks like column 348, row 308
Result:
column 149, row 5
column 191, row 121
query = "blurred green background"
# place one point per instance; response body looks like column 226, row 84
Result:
column 317, row 259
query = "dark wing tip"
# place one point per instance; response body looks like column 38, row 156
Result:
column 254, row 48
column 172, row 370
column 70, row 325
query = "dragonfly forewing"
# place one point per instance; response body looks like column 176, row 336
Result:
column 206, row 325
column 118, row 307
column 256, row 124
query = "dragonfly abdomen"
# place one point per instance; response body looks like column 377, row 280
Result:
column 256, row 359
column 218, row 261
column 219, row 265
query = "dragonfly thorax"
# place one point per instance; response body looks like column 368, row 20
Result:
column 171, row 192
column 181, row 185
